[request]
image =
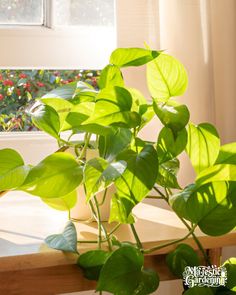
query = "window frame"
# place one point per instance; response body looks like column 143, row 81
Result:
column 128, row 13
column 44, row 46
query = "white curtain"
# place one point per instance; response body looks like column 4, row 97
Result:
column 202, row 35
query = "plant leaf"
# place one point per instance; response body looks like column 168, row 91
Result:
column 230, row 265
column 66, row 241
column 166, row 77
column 172, row 114
column 92, row 262
column 62, row 107
column 227, row 154
column 12, row 169
column 64, row 203
column 123, row 273
column 110, row 76
column 99, row 174
column 120, row 210
column 169, row 144
column 114, row 143
column 140, row 175
column 46, row 118
column 66, row 91
column 54, row 177
column 220, row 172
column 113, row 107
column 167, row 174
column 203, row 146
column 208, row 204
column 125, row 57
column 182, row 256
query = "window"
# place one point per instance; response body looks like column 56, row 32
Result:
column 25, row 12
column 66, row 34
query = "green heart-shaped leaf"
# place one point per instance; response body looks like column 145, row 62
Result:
column 203, row 146
column 66, row 241
column 92, row 262
column 123, row 273
column 208, row 204
column 110, row 76
column 172, row 114
column 12, row 169
column 140, row 174
column 125, row 57
column 64, row 203
column 182, row 256
column 99, row 174
column 113, row 107
column 170, row 144
column 54, row 177
column 166, row 77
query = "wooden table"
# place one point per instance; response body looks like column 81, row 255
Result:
column 28, row 266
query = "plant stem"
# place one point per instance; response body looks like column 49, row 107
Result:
column 139, row 244
column 155, row 197
column 107, row 238
column 161, row 194
column 114, row 229
column 103, row 197
column 86, row 143
column 147, row 251
column 207, row 260
column 197, row 242
column 99, row 224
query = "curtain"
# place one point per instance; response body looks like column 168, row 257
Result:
column 202, row 35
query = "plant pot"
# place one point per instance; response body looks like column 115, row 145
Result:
column 81, row 211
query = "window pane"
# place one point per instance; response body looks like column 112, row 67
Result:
column 24, row 12
column 20, row 88
column 80, row 12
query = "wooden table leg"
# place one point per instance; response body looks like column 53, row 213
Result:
column 215, row 255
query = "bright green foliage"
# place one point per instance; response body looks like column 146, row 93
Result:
column 125, row 57
column 64, row 203
column 170, row 144
column 167, row 174
column 120, row 210
column 203, row 145
column 166, row 77
column 230, row 266
column 99, row 174
column 113, row 107
column 12, row 170
column 56, row 176
column 181, row 257
column 46, row 119
column 140, row 174
column 113, row 143
column 207, row 205
column 123, row 273
column 110, row 76
column 172, row 114
column 92, row 262
column 109, row 120
column 66, row 241
column 227, row 154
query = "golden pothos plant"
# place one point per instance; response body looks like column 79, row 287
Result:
column 115, row 114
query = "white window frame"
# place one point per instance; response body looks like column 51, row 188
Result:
column 130, row 33
column 55, row 47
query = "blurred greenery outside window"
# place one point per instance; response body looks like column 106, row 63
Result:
column 20, row 88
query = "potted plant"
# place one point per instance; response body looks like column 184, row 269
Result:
column 110, row 119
